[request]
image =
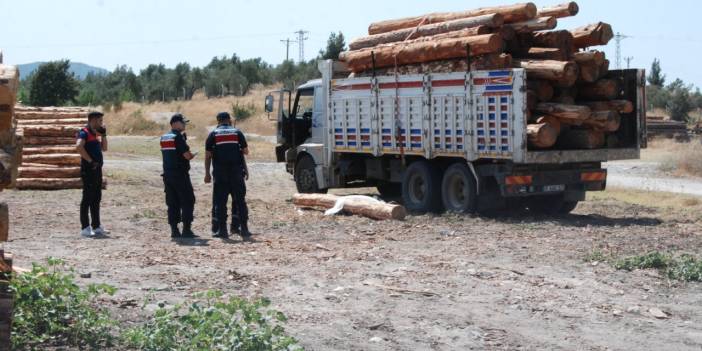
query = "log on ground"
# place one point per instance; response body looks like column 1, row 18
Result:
column 510, row 13
column 52, row 183
column 49, row 150
column 477, row 25
column 51, row 115
column 53, row 159
column 43, row 172
column 36, row 140
column 51, row 131
column 53, row 121
column 420, row 52
column 360, row 207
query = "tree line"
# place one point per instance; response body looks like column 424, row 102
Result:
column 51, row 84
column 676, row 98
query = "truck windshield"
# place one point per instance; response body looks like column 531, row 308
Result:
column 304, row 104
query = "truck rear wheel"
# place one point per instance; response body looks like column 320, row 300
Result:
column 421, row 187
column 306, row 177
column 458, row 189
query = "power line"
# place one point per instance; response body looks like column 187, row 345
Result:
column 301, row 37
column 287, row 43
column 618, row 40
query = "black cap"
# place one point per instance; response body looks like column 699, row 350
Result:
column 95, row 114
column 178, row 117
column 223, row 116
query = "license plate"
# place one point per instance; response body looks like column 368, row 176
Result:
column 554, row 188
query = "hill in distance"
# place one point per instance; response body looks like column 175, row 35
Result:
column 81, row 70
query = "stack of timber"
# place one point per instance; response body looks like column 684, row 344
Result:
column 662, row 127
column 50, row 160
column 574, row 101
column 9, row 160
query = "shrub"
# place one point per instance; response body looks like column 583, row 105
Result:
column 214, row 323
column 241, row 112
column 685, row 267
column 51, row 309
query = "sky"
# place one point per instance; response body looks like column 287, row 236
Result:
column 108, row 33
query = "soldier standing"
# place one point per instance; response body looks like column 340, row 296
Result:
column 226, row 148
column 92, row 141
column 180, row 197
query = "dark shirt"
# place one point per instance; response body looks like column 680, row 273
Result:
column 173, row 149
column 226, row 144
column 93, row 146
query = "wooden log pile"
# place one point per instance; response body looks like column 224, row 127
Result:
column 50, row 160
column 571, row 94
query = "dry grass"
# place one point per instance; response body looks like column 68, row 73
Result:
column 260, row 149
column 670, row 201
column 675, row 157
column 152, row 119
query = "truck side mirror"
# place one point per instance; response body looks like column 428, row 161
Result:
column 270, row 100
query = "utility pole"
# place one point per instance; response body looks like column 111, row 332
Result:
column 301, row 37
column 628, row 61
column 287, row 43
column 618, row 40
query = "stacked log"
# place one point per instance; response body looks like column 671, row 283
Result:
column 568, row 85
column 50, row 160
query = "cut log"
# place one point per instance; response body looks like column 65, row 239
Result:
column 52, row 183
column 419, row 52
column 589, row 73
column 532, row 100
column 560, row 39
column 507, row 33
column 621, row 106
column 58, row 122
column 565, row 95
column 43, row 172
column 593, row 57
column 603, row 89
column 554, row 122
column 570, row 114
column 483, row 62
column 567, row 9
column 51, row 131
column 83, row 116
column 9, row 83
column 474, row 25
column 606, row 121
column 592, row 35
column 49, row 150
column 546, row 54
column 360, row 207
column 4, row 222
column 534, row 25
column 25, row 108
column 510, row 13
column 581, row 139
column 53, row 159
column 30, row 141
column 562, row 73
column 39, row 165
column 541, row 135
column 542, row 88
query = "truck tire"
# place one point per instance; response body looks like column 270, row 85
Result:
column 389, row 190
column 306, row 177
column 458, row 189
column 568, row 207
column 421, row 187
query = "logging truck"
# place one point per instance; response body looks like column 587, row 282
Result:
column 452, row 141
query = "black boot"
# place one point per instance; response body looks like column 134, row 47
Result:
column 234, row 229
column 175, row 232
column 245, row 233
column 188, row 231
column 222, row 233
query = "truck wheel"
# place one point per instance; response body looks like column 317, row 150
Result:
column 306, row 177
column 458, row 189
column 390, row 190
column 421, row 187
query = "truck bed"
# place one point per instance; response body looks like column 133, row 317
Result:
column 472, row 115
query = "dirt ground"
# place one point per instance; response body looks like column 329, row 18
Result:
column 349, row 283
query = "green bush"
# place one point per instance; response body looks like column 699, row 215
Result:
column 241, row 112
column 213, row 323
column 51, row 309
column 685, row 267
